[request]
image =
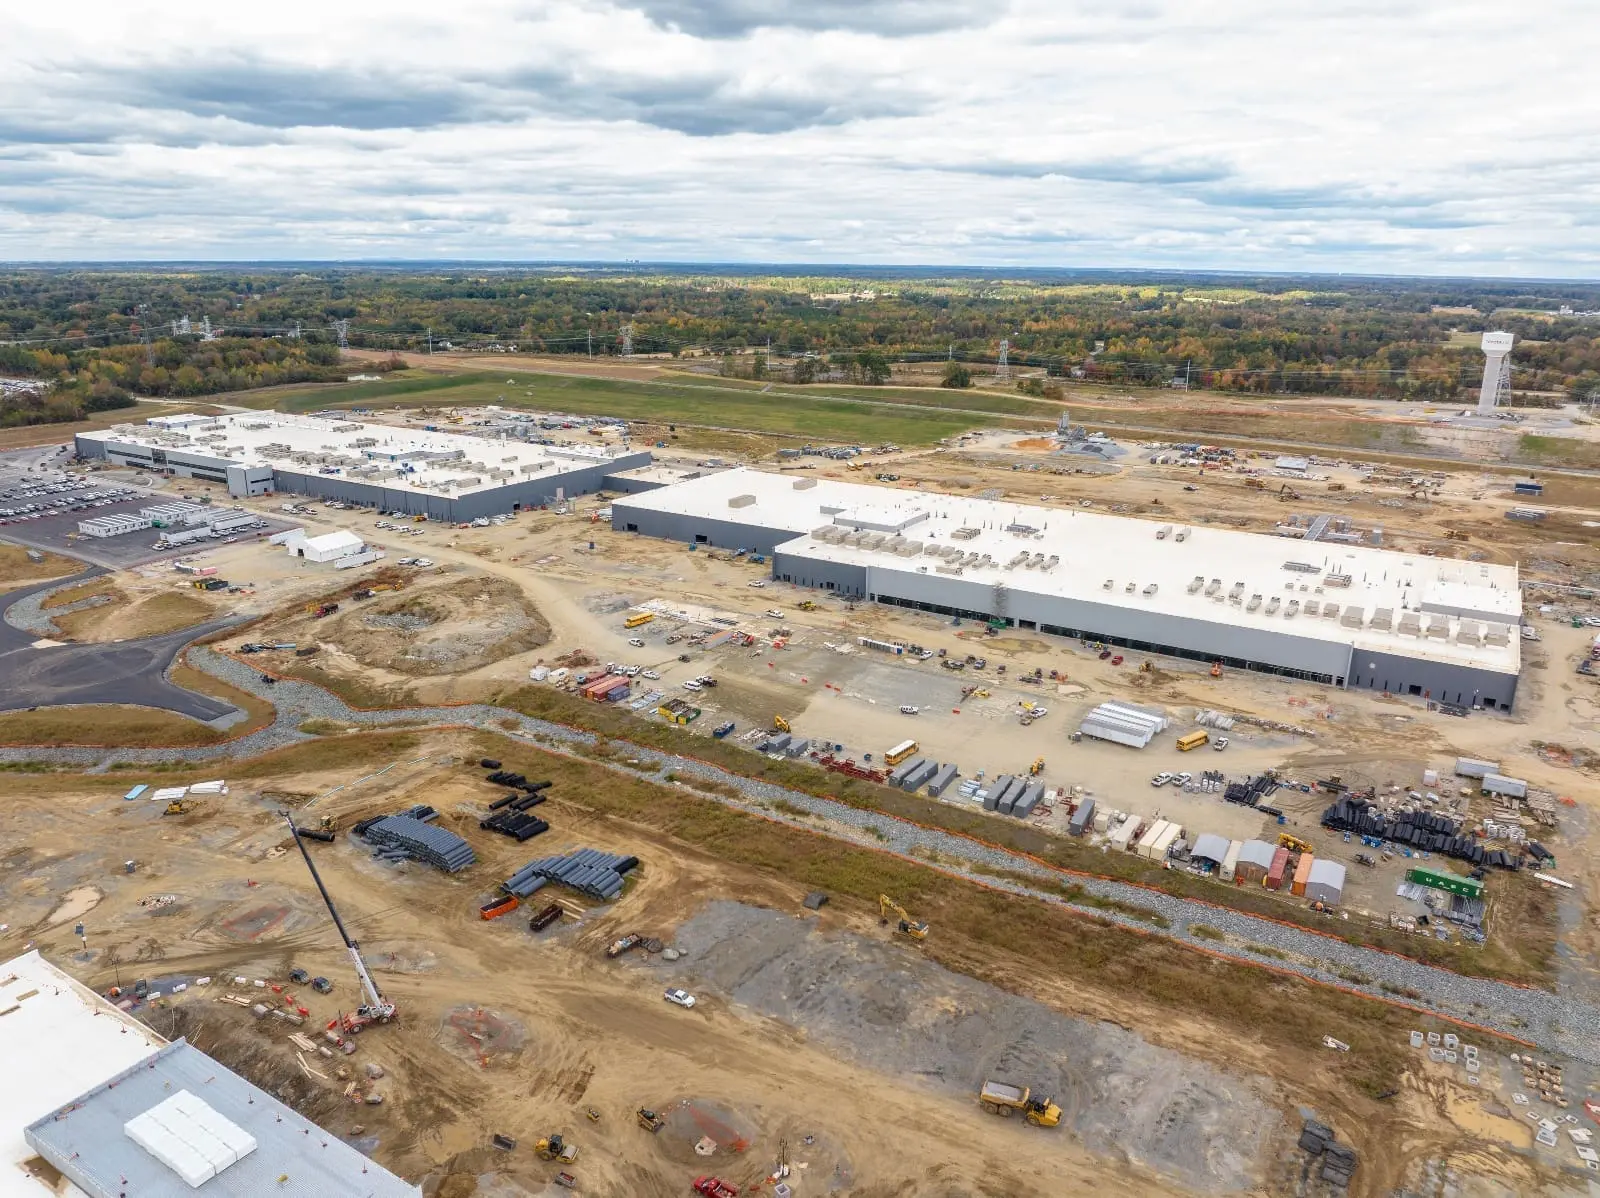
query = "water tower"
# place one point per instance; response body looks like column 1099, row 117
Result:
column 1496, row 372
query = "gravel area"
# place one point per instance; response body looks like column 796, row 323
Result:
column 28, row 614
column 1555, row 1022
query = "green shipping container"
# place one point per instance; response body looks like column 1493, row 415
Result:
column 1439, row 880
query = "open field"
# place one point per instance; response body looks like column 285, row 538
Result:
column 31, row 435
column 1177, row 1073
column 17, row 568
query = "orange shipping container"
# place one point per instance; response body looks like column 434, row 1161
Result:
column 1302, row 874
column 1280, row 866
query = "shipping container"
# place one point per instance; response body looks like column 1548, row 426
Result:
column 900, row 752
column 920, row 775
column 1122, row 837
column 1302, row 873
column 1164, row 842
column 942, row 780
column 1280, row 866
column 1027, row 799
column 1153, row 833
column 1470, row 767
column 1499, row 784
column 1081, row 818
column 1451, row 883
column 997, row 788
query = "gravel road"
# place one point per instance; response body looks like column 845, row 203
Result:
column 1555, row 1022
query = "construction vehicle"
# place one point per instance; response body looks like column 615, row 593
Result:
column 1335, row 486
column 1216, row 669
column 554, row 1148
column 1286, row 492
column 779, row 724
column 1254, row 484
column 999, row 1098
column 1036, row 768
column 179, row 807
column 904, row 924
column 807, row 605
column 376, row 1008
column 715, row 1187
column 1293, row 843
column 649, row 1120
column 1455, row 534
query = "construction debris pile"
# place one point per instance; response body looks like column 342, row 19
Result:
column 411, row 835
column 597, row 874
column 1415, row 829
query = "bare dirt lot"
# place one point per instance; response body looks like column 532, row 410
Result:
column 445, row 628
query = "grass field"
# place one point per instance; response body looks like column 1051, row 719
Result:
column 17, row 567
column 914, row 416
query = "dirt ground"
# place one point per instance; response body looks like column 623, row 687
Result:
column 448, row 627
column 18, row 567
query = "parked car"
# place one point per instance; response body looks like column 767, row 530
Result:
column 1161, row 779
column 636, row 642
column 648, row 674
column 758, row 582
column 907, row 709
column 1219, row 743
column 691, row 685
column 774, row 614
column 679, row 998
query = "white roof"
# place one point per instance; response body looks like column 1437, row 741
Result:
column 64, row 1039
column 402, row 458
column 1438, row 609
column 1326, row 873
column 342, row 539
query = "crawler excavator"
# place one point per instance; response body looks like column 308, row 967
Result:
column 905, row 925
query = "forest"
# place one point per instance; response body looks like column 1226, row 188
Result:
column 96, row 334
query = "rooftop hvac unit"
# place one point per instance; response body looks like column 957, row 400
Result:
column 1129, row 589
column 1410, row 622
column 1195, row 583
column 1354, row 617
column 1303, row 567
column 1214, row 586
column 1312, row 607
column 1051, row 562
column 965, row 534
column 1183, row 534
column 953, row 570
column 742, row 501
column 1108, row 584
column 1470, row 633
column 804, row 484
column 1149, row 589
column 1292, row 610
column 1255, row 602
column 1336, row 580
column 1439, row 628
column 1236, row 592
column 1163, row 532
column 1330, row 610
column 1498, row 634
column 1273, row 604
column 1383, row 619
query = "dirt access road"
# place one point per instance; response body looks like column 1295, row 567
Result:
column 502, row 1031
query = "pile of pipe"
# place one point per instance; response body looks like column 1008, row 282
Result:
column 412, row 836
column 509, row 814
column 589, row 871
column 1420, row 830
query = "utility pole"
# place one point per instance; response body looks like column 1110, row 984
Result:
column 591, row 342
column 430, row 341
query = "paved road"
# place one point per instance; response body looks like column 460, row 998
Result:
column 122, row 672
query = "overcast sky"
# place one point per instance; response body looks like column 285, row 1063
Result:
column 1380, row 136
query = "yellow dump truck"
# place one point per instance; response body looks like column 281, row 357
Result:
column 1001, row 1098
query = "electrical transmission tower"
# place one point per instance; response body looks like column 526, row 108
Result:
column 144, row 335
column 181, row 327
column 627, row 340
column 1002, row 372
column 341, row 329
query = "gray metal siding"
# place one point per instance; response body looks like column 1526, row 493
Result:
column 826, row 576
column 719, row 534
column 1440, row 681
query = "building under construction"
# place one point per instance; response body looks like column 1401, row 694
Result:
column 1341, row 614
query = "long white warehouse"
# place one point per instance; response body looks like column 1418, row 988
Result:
column 1343, row 615
column 445, row 476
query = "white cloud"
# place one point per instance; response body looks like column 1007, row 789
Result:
column 1391, row 137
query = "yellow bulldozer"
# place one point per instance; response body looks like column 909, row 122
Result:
column 904, row 924
column 779, row 724
column 179, row 807
column 1003, row 1099
column 806, row 605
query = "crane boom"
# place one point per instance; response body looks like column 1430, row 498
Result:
column 377, row 1007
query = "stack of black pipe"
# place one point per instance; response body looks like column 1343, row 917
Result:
column 1250, row 793
column 414, row 837
column 1420, row 830
column 509, row 813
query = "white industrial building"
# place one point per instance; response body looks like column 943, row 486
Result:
column 445, row 476
column 100, row 1106
column 1339, row 614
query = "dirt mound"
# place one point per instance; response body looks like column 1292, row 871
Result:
column 457, row 626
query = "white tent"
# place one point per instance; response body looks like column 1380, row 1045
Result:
column 326, row 548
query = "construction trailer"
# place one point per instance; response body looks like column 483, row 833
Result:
column 1152, row 834
column 1122, row 837
column 1278, row 873
column 1471, row 767
column 1123, row 724
column 1499, row 784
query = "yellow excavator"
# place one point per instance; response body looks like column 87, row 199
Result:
column 779, row 724
column 1293, row 843
column 905, row 925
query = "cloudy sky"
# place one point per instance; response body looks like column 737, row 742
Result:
column 1380, row 136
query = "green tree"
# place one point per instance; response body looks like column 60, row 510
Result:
column 956, row 375
column 874, row 367
column 1585, row 388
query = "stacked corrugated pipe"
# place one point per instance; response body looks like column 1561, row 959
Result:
column 410, row 835
column 590, row 871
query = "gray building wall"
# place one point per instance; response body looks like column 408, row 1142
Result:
column 1441, row 681
column 841, row 577
column 720, row 534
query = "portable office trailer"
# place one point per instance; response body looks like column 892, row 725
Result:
column 1326, row 882
column 1254, row 861
column 1229, row 869
column 797, row 747
column 1152, row 834
column 919, row 775
column 1279, row 870
column 1471, row 767
column 1499, row 784
column 1302, row 874
column 942, row 780
column 1080, row 821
